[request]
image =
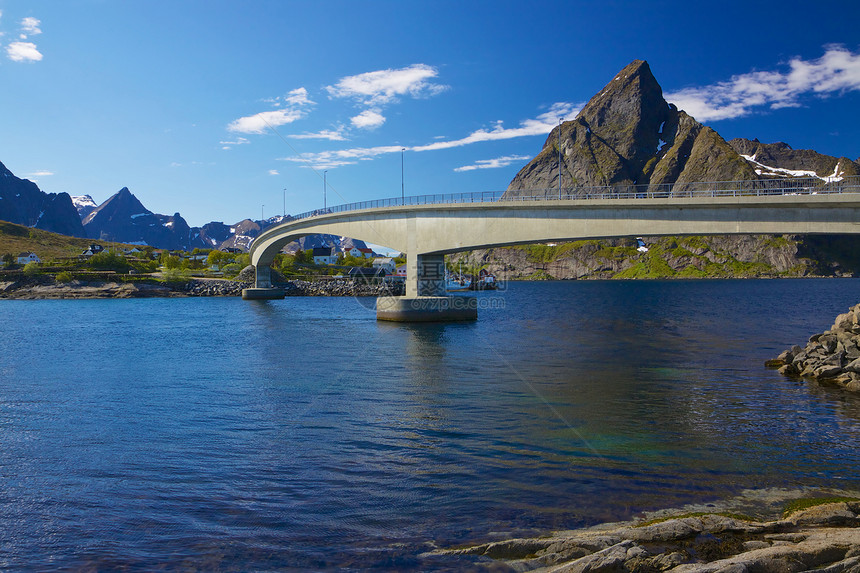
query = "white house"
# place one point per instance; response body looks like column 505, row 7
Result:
column 386, row 263
column 365, row 252
column 25, row 258
column 353, row 252
column 324, row 256
column 400, row 271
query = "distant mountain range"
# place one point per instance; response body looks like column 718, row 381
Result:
column 124, row 219
column 626, row 134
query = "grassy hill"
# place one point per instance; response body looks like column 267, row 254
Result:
column 48, row 246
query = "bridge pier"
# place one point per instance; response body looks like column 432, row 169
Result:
column 263, row 289
column 426, row 297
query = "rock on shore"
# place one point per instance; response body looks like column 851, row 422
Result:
column 824, row 538
column 832, row 357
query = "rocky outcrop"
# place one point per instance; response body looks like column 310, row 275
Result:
column 22, row 202
column 825, row 537
column 629, row 134
column 730, row 256
column 831, row 357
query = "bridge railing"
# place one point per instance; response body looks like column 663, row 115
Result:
column 761, row 187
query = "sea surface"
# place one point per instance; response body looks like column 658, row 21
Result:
column 217, row 434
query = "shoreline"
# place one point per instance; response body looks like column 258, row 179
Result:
column 768, row 531
column 41, row 288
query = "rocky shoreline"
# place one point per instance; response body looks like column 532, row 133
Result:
column 831, row 358
column 824, row 536
column 45, row 289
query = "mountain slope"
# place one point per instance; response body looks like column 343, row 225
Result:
column 22, row 202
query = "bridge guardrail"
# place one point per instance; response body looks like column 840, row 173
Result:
column 760, row 187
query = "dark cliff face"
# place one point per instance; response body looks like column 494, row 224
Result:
column 22, row 202
column 628, row 134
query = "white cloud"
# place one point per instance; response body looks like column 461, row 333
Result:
column 336, row 135
column 23, row 52
column 30, row 26
column 385, row 86
column 260, row 122
column 837, row 71
column 273, row 172
column 541, row 125
column 237, row 141
column 296, row 107
column 34, row 177
column 368, row 119
column 493, row 163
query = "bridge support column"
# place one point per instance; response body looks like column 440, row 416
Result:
column 426, row 298
column 263, row 289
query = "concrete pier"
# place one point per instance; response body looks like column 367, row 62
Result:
column 269, row 293
column 427, row 308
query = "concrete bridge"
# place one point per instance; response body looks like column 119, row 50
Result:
column 428, row 228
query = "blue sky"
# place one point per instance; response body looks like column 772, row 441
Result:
column 213, row 108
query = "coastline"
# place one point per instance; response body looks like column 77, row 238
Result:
column 768, row 531
column 40, row 288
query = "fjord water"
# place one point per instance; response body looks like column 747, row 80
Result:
column 219, row 434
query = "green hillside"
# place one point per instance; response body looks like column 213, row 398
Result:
column 15, row 239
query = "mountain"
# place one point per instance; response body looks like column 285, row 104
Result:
column 628, row 134
column 773, row 160
column 84, row 204
column 123, row 218
column 22, row 202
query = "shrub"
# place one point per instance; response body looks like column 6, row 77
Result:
column 109, row 261
column 32, row 269
column 64, row 277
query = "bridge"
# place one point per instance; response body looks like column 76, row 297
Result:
column 428, row 227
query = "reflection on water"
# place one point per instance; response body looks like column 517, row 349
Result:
column 236, row 435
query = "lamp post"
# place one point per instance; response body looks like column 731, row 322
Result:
column 285, row 202
column 559, row 156
column 324, row 188
column 262, row 218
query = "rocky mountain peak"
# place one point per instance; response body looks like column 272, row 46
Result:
column 628, row 134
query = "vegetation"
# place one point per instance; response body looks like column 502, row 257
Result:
column 807, row 502
column 32, row 269
column 738, row 516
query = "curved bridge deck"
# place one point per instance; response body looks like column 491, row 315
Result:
column 428, row 227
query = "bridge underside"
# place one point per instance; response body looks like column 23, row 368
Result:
column 428, row 232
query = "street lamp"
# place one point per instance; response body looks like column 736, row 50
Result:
column 402, row 184
column 262, row 218
column 324, row 188
column 285, row 202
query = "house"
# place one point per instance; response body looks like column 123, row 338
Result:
column 25, row 258
column 93, row 249
column 132, row 251
column 353, row 252
column 366, row 253
column 324, row 256
column 386, row 263
column 362, row 273
column 400, row 271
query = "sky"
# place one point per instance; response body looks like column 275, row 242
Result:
column 225, row 110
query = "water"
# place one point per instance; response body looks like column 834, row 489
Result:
column 219, row 434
